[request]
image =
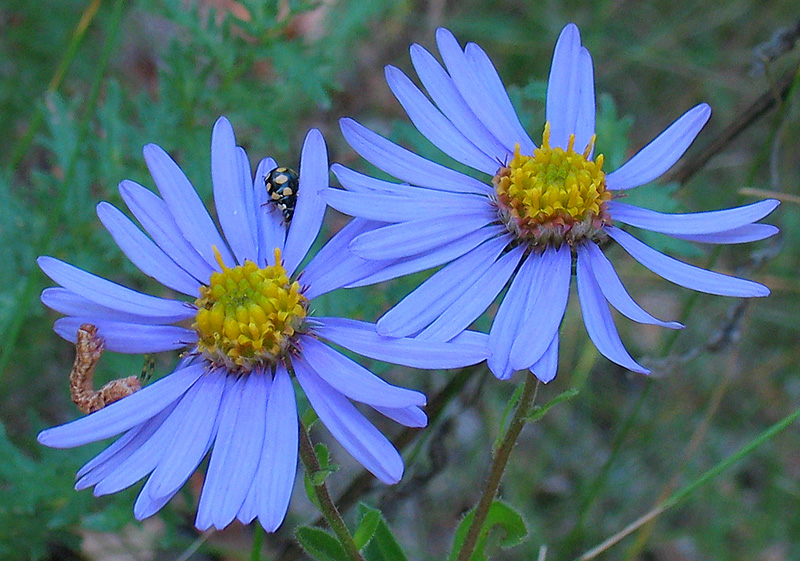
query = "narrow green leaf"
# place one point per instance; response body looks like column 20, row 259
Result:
column 319, row 544
column 500, row 514
column 512, row 404
column 540, row 411
column 366, row 528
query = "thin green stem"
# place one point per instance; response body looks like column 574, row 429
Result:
column 326, row 506
column 69, row 55
column 94, row 93
column 11, row 330
column 681, row 495
column 258, row 541
column 499, row 463
column 361, row 484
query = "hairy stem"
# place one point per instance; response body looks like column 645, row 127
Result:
column 326, row 506
column 501, row 457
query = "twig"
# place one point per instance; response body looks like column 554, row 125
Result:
column 332, row 515
column 499, row 464
column 764, row 103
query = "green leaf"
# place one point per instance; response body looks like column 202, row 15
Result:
column 540, row 411
column 383, row 546
column 319, row 544
column 369, row 522
column 500, row 514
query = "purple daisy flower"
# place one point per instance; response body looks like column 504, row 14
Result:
column 251, row 329
column 543, row 207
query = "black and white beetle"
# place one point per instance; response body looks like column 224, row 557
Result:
column 282, row 185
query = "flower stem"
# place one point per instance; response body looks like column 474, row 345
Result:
column 499, row 462
column 326, row 506
column 258, row 540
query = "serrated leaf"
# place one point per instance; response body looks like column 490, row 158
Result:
column 540, row 411
column 319, row 544
column 500, row 514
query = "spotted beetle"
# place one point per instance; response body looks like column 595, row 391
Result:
column 282, row 185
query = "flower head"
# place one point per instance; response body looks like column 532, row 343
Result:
column 541, row 208
column 247, row 326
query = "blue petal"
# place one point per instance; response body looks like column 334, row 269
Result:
column 125, row 413
column 270, row 224
column 662, row 153
column 246, row 174
column 692, row 223
column 603, row 272
column 406, row 165
column 406, row 239
column 147, row 456
column 409, row 416
column 432, row 258
column 564, row 87
column 193, row 437
column 476, row 299
column 129, row 338
column 505, row 327
column 685, row 274
column 349, row 427
column 496, row 93
column 743, row 234
column 598, row 320
column 310, row 207
column 154, row 216
column 444, row 93
column 185, row 206
column 68, row 303
column 360, row 337
column 473, row 88
column 353, row 380
column 278, row 465
column 585, row 123
column 237, row 449
column 145, row 505
column 544, row 309
column 334, row 266
column 113, row 295
column 144, row 253
column 229, row 192
column 546, row 368
column 436, row 127
column 438, row 293
column 413, row 204
column 109, row 460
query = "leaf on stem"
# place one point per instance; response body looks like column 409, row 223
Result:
column 500, row 514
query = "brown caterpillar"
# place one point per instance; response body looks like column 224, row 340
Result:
column 88, row 350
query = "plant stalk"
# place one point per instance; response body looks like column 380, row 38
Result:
column 499, row 464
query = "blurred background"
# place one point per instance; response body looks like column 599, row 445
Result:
column 84, row 84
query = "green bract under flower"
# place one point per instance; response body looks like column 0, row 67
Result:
column 247, row 316
column 554, row 196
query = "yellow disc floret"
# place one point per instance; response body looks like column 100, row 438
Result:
column 247, row 316
column 544, row 197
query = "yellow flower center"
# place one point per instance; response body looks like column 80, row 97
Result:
column 553, row 196
column 247, row 316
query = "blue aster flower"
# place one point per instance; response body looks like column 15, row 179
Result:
column 247, row 326
column 542, row 208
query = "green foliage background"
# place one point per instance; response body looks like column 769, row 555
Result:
column 78, row 102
